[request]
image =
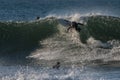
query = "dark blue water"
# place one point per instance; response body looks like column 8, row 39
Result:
column 29, row 9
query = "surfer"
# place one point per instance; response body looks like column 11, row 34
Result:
column 75, row 25
column 57, row 65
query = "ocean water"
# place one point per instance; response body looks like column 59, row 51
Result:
column 29, row 48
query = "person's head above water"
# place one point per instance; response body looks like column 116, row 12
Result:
column 57, row 65
column 37, row 18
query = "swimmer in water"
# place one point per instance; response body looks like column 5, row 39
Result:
column 37, row 18
column 57, row 65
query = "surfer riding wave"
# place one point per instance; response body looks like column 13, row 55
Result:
column 75, row 25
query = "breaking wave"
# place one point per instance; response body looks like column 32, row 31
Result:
column 47, row 39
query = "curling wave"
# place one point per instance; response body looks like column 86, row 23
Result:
column 46, row 39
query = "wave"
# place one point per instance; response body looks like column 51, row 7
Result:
column 47, row 39
column 100, row 27
column 26, row 32
column 19, row 39
column 104, row 28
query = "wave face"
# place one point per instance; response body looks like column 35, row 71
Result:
column 103, row 28
column 46, row 41
column 26, row 32
column 19, row 39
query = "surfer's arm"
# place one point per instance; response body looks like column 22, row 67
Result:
column 80, row 24
column 69, row 28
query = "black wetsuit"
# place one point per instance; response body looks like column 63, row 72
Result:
column 75, row 25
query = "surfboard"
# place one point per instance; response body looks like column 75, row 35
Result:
column 64, row 22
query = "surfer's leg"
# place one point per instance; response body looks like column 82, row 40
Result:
column 69, row 28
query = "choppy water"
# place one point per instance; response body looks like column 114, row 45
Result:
column 29, row 48
column 39, row 73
